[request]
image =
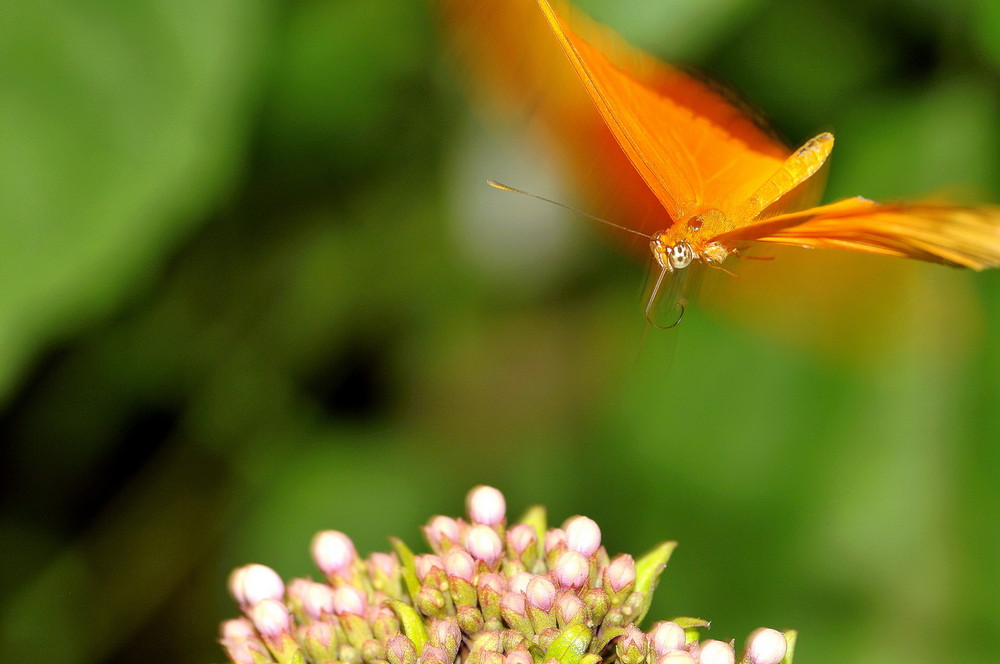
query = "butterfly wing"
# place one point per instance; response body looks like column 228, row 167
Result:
column 694, row 147
column 930, row 231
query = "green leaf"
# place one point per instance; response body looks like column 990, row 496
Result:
column 407, row 565
column 570, row 646
column 413, row 624
column 536, row 517
column 691, row 623
column 121, row 124
column 607, row 636
column 790, row 637
column 647, row 574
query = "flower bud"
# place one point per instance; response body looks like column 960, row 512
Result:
column 348, row 599
column 572, row 570
column 766, row 646
column 247, row 651
column 554, row 539
column 237, row 628
column 518, row 657
column 433, row 655
column 677, row 657
column 318, row 600
column 490, row 588
column 334, row 553
column 384, row 572
column 441, row 532
column 582, row 535
column 521, row 538
column 320, row 641
column 666, row 637
column 716, row 652
column 619, row 576
column 446, row 635
column 458, row 563
column 271, row 618
column 470, row 619
column 384, row 622
column 631, row 646
column 519, row 582
column 597, row 603
column 486, row 506
column 400, row 650
column 484, row 544
column 570, row 610
column 540, row 592
column 426, row 564
column 515, row 613
column 252, row 583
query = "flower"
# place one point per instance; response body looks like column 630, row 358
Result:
column 485, row 594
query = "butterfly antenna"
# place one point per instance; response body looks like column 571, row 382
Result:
column 503, row 187
column 652, row 301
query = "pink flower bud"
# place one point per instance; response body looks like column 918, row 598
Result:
column 766, row 646
column 493, row 582
column 620, row 573
column 513, row 602
column 666, row 637
column 427, row 563
column 554, row 538
column 677, row 657
column 572, row 570
column 484, row 544
column 383, row 562
column 632, row 646
column 252, row 583
column 446, row 635
column 319, row 635
column 716, row 652
column 541, row 593
column 458, row 563
column 518, row 657
column 442, row 529
column 318, row 600
column 582, row 535
column 400, row 650
column 348, row 599
column 486, row 506
column 238, row 628
column 521, row 537
column 519, row 582
column 334, row 553
column 298, row 589
column 570, row 607
column 247, row 651
column 271, row 618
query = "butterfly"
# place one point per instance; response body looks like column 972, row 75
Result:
column 724, row 180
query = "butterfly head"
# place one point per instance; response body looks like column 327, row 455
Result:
column 671, row 255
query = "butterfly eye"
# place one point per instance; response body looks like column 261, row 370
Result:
column 680, row 255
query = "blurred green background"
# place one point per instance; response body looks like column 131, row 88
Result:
column 254, row 285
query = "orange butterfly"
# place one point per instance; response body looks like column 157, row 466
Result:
column 723, row 180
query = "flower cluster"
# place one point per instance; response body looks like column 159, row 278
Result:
column 488, row 594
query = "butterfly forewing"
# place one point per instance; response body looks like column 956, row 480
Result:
column 694, row 148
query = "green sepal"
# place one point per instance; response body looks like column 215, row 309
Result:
column 413, row 625
column 647, row 574
column 606, row 636
column 790, row 637
column 407, row 567
column 297, row 658
column 536, row 517
column 691, row 623
column 570, row 646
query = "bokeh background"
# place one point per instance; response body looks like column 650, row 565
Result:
column 253, row 284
